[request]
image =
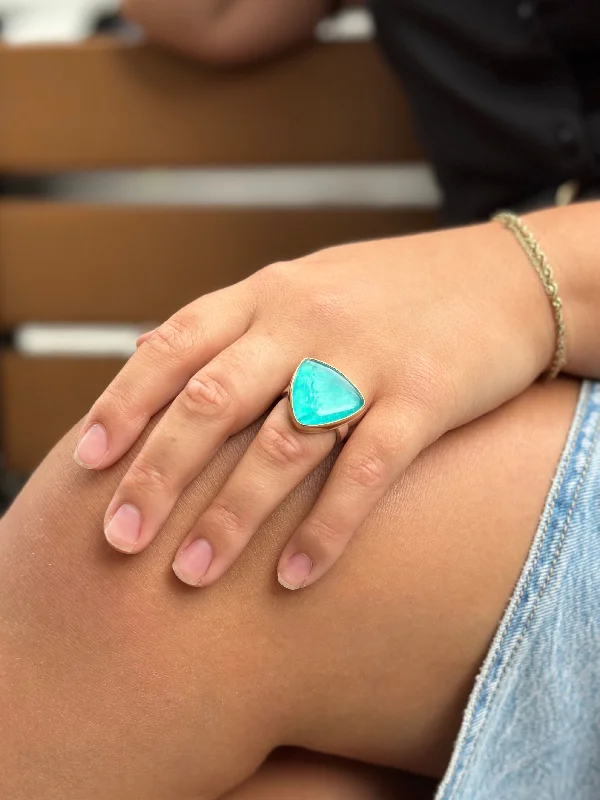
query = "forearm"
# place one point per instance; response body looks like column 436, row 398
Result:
column 228, row 31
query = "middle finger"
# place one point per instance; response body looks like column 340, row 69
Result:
column 278, row 459
column 224, row 397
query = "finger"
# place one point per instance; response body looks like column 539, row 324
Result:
column 231, row 391
column 279, row 458
column 142, row 338
column 158, row 371
column 381, row 448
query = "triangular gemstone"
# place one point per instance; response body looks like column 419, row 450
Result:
column 320, row 395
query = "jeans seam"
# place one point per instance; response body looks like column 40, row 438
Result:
column 558, row 550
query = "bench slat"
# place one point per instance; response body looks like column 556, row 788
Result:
column 105, row 103
column 42, row 398
column 93, row 263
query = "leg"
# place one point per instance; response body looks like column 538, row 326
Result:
column 298, row 775
column 116, row 681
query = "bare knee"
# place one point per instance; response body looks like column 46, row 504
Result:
column 374, row 662
column 110, row 670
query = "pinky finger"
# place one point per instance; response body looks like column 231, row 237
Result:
column 143, row 337
column 371, row 462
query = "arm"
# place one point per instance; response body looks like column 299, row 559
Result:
column 434, row 329
column 569, row 237
column 223, row 32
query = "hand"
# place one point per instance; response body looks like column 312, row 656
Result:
column 434, row 330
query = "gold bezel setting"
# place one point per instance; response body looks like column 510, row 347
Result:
column 339, row 423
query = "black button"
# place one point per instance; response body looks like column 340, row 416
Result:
column 525, row 10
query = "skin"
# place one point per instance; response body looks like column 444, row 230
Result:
column 230, row 32
column 401, row 317
column 116, row 681
column 423, row 589
column 299, row 775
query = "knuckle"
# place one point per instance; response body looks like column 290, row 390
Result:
column 177, row 337
column 282, row 446
column 278, row 272
column 150, row 477
column 325, row 532
column 206, row 396
column 277, row 279
column 366, row 470
column 114, row 403
column 222, row 518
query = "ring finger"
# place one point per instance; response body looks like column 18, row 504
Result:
column 221, row 399
column 279, row 458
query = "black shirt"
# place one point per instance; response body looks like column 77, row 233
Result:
column 505, row 95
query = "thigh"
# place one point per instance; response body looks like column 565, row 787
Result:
column 300, row 775
column 113, row 671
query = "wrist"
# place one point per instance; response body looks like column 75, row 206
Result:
column 538, row 261
column 524, row 298
column 570, row 237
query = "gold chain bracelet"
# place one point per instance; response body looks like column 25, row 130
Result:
column 540, row 263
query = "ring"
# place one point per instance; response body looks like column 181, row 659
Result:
column 323, row 398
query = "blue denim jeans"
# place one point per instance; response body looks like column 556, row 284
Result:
column 531, row 730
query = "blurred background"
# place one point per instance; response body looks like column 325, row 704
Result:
column 97, row 194
column 30, row 22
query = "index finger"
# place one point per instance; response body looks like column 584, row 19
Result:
column 158, row 371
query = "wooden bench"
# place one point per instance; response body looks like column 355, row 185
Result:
column 106, row 104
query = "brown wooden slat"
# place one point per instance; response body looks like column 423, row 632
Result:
column 70, row 262
column 42, row 399
column 106, row 103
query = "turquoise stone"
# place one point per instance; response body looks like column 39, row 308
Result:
column 320, row 395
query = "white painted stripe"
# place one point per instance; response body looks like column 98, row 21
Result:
column 37, row 21
column 40, row 27
column 355, row 24
column 59, row 7
column 94, row 341
column 381, row 186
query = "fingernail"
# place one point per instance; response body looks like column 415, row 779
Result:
column 123, row 530
column 295, row 572
column 191, row 565
column 92, row 448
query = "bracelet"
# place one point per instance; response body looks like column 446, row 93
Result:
column 539, row 262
